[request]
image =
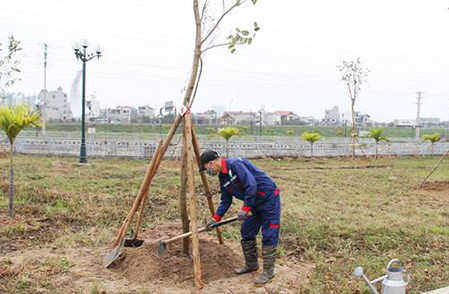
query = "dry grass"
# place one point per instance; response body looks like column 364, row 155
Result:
column 337, row 214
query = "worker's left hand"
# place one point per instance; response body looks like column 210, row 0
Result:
column 242, row 215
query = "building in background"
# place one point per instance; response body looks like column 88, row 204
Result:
column 239, row 117
column 332, row 116
column 146, row 111
column 54, row 105
column 207, row 117
column 361, row 119
column 94, row 106
column 121, row 115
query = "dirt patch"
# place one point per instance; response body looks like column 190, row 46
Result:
column 64, row 167
column 143, row 264
column 436, row 186
column 80, row 270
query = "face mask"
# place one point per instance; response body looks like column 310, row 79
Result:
column 211, row 172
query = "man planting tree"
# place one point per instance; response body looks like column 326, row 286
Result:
column 241, row 179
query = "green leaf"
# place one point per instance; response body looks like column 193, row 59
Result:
column 250, row 40
column 245, row 33
column 237, row 30
column 255, row 24
column 256, row 29
column 233, row 50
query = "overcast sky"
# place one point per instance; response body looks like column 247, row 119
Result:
column 291, row 65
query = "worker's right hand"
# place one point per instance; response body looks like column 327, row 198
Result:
column 210, row 224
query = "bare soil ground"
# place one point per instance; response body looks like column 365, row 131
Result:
column 436, row 186
column 140, row 270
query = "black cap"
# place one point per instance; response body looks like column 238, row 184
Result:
column 207, row 156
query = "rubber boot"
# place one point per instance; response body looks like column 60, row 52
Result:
column 250, row 254
column 269, row 258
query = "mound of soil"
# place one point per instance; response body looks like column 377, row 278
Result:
column 436, row 186
column 143, row 264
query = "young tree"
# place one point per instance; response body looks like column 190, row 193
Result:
column 433, row 139
column 353, row 75
column 12, row 121
column 376, row 134
column 311, row 138
column 227, row 134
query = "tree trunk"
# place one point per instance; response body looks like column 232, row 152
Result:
column 377, row 154
column 227, row 149
column 353, row 134
column 11, row 183
column 311, row 149
column 182, row 197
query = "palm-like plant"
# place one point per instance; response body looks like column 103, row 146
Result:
column 12, row 121
column 376, row 134
column 311, row 138
column 433, row 139
column 227, row 134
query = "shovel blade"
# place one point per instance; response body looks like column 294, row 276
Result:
column 112, row 256
column 133, row 243
column 161, row 248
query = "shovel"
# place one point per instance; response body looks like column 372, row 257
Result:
column 162, row 245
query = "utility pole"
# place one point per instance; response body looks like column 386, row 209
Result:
column 45, row 90
column 418, row 120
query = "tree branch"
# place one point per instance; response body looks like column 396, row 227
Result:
column 197, row 82
column 221, row 18
column 214, row 46
column 203, row 10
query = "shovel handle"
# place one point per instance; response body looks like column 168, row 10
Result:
column 188, row 234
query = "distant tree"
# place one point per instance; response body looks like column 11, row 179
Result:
column 339, row 132
column 376, row 134
column 311, row 138
column 210, row 130
column 433, row 139
column 12, row 121
column 9, row 64
column 290, row 132
column 227, row 134
column 245, row 129
column 353, row 75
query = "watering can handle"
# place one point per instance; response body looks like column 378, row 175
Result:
column 393, row 260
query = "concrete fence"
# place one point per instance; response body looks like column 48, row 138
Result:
column 144, row 149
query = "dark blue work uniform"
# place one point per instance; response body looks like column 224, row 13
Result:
column 243, row 180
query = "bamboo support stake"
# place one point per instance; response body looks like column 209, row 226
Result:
column 192, row 199
column 156, row 153
column 434, row 168
column 196, row 148
column 182, row 196
column 142, row 191
column 147, row 181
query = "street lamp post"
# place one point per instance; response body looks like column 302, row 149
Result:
column 81, row 54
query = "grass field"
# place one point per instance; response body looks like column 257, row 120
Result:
column 337, row 214
column 284, row 130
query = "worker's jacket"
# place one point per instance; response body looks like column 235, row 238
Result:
column 243, row 180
